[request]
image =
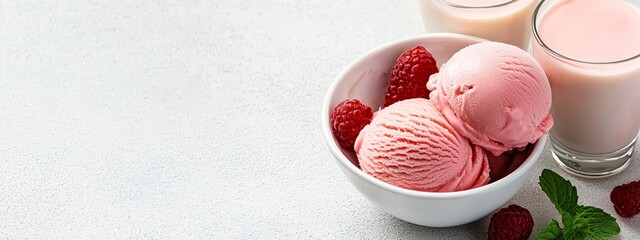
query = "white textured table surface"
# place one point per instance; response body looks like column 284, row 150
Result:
column 197, row 120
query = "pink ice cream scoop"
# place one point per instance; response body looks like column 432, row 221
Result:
column 495, row 94
column 411, row 145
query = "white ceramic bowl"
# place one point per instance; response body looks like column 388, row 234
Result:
column 365, row 79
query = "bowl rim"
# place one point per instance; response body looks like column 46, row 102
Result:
column 533, row 157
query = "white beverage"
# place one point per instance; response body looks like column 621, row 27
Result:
column 497, row 20
column 592, row 59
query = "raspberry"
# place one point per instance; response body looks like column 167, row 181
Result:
column 499, row 166
column 513, row 222
column 347, row 119
column 409, row 76
column 626, row 199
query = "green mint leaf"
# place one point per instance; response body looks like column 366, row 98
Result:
column 550, row 232
column 589, row 222
column 573, row 228
column 579, row 222
column 560, row 191
column 598, row 224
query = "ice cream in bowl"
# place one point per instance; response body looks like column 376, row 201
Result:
column 441, row 129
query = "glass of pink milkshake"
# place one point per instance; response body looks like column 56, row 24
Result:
column 507, row 21
column 590, row 51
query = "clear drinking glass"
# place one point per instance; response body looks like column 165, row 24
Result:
column 596, row 106
column 497, row 20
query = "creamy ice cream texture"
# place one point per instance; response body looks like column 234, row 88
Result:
column 489, row 97
column 410, row 144
column 495, row 94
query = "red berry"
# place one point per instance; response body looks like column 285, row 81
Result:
column 626, row 199
column 499, row 166
column 347, row 119
column 409, row 76
column 513, row 223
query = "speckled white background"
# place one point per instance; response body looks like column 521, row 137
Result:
column 197, row 119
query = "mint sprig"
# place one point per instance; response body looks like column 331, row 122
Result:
column 580, row 222
column 599, row 224
column 551, row 232
column 560, row 191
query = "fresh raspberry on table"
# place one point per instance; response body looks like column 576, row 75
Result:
column 409, row 76
column 513, row 223
column 626, row 199
column 347, row 119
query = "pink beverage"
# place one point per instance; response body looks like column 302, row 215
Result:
column 590, row 51
column 507, row 21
